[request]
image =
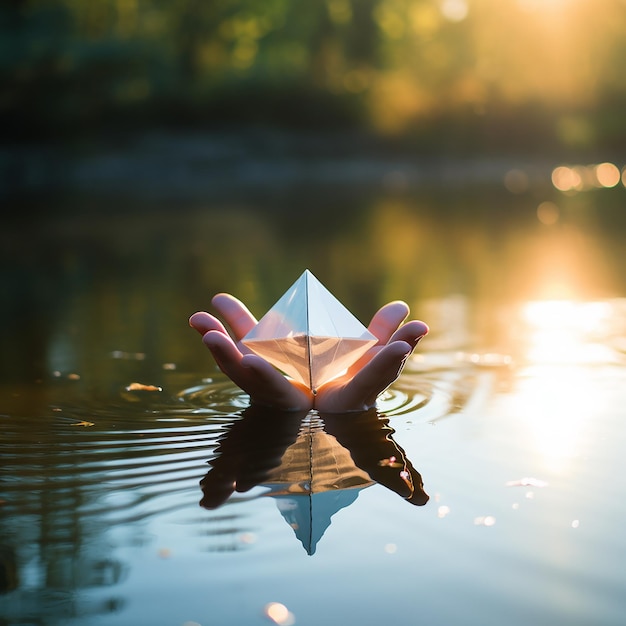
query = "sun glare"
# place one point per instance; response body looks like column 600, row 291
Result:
column 558, row 401
column 560, row 330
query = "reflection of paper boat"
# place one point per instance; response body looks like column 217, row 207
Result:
column 312, row 466
column 309, row 334
column 315, row 479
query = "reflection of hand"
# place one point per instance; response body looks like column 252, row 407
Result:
column 248, row 451
column 369, row 439
column 356, row 390
column 265, row 443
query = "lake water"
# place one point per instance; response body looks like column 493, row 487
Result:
column 115, row 501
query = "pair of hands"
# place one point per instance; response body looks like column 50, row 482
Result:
column 356, row 390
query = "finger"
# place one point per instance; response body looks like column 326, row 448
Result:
column 411, row 332
column 387, row 319
column 236, row 314
column 226, row 355
column 241, row 370
column 261, row 381
column 216, row 489
column 203, row 322
column 378, row 374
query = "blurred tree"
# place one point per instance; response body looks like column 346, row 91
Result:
column 453, row 72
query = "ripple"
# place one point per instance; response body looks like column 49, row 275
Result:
column 132, row 454
column 428, row 397
column 114, row 460
column 397, row 401
column 221, row 395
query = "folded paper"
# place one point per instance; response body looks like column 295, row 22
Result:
column 309, row 335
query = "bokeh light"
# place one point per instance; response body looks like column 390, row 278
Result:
column 454, row 10
column 566, row 178
column 516, row 181
column 279, row 614
column 574, row 178
column 608, row 174
column 548, row 213
column 437, row 66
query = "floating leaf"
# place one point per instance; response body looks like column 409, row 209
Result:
column 142, row 387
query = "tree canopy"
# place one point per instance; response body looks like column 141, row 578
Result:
column 453, row 72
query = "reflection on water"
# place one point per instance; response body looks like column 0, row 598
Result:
column 137, row 276
column 84, row 472
column 313, row 466
column 81, row 477
column 101, row 492
column 66, row 481
column 512, row 410
column 569, row 345
column 562, row 331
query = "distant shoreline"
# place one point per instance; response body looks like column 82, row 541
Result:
column 192, row 164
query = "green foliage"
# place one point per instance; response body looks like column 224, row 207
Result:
column 453, row 74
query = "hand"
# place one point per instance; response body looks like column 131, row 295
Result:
column 264, row 384
column 356, row 390
column 365, row 380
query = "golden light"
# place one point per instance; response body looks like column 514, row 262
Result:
column 559, row 331
column 607, row 174
column 557, row 399
column 546, row 5
column 454, row 10
column 548, row 52
column 566, row 178
column 584, row 177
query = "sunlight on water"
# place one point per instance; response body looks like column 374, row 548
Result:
column 560, row 395
column 135, row 472
column 561, row 331
column 559, row 408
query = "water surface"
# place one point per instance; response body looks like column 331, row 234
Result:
column 486, row 488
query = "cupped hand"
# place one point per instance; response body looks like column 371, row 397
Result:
column 365, row 380
column 355, row 390
column 259, row 379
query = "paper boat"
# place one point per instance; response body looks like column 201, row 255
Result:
column 309, row 335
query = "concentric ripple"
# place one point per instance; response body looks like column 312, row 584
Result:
column 143, row 451
column 117, row 460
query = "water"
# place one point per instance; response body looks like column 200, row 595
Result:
column 120, row 440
